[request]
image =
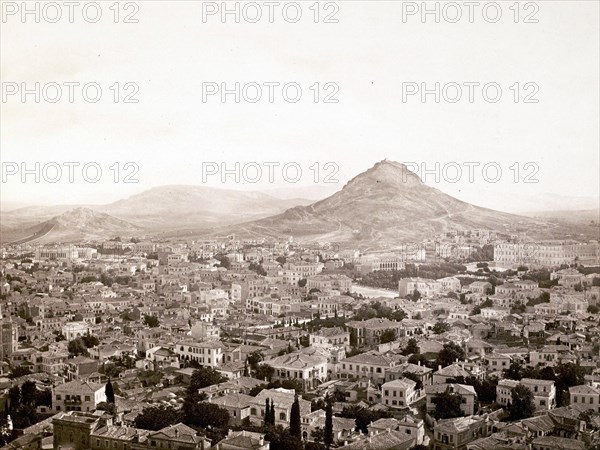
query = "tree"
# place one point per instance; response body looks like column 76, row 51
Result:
column 267, row 418
column 157, row 417
column 317, row 434
column 223, row 261
column 77, row 347
column 328, row 431
column 363, row 417
column 110, row 393
column 20, row 371
column 441, row 327
column 295, row 422
column 567, row 375
column 204, row 377
column 264, row 372
column 414, row 377
column 110, row 408
column 450, row 353
column 416, row 295
column 447, row 405
column 522, row 405
column 90, row 341
column 197, row 413
column 514, row 371
column 412, row 347
column 272, row 413
column 388, row 335
column 254, row 358
column 151, row 321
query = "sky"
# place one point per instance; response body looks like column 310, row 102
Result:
column 353, row 81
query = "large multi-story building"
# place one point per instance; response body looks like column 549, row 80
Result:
column 369, row 332
column 206, row 354
column 85, row 431
column 65, row 252
column 399, row 393
column 310, row 370
column 548, row 254
column 78, row 396
column 426, row 287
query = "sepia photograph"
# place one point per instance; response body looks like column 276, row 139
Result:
column 300, row 225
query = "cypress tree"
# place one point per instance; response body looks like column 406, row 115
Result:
column 272, row 413
column 110, row 393
column 295, row 426
column 328, row 431
column 267, row 413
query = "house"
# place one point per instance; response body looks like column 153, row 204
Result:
column 399, row 393
column 387, row 440
column 451, row 372
column 479, row 287
column 78, row 396
column 455, row 434
column 409, row 425
column 343, row 429
column 206, row 354
column 423, row 373
column 497, row 362
column 178, row 436
column 425, row 286
column 467, row 394
column 368, row 332
column 544, row 392
column 586, row 397
column 557, row 443
column 236, row 404
column 310, row 370
column 504, row 391
column 282, row 399
column 243, row 440
column 371, row 365
column 334, row 336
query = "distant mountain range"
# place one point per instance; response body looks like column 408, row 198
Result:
column 158, row 209
column 385, row 205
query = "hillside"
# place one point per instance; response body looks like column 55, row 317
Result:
column 385, row 205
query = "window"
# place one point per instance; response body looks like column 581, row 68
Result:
column 87, row 398
column 282, row 416
column 58, row 397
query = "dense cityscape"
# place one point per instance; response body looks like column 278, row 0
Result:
column 470, row 340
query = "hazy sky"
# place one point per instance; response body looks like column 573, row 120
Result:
column 368, row 55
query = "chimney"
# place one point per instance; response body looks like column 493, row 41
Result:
column 439, row 367
column 261, row 441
